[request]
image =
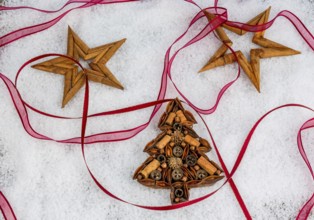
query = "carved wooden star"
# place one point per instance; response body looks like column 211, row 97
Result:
column 252, row 69
column 74, row 79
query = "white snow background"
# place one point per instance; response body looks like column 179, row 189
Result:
column 48, row 180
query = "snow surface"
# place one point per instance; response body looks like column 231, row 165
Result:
column 47, row 180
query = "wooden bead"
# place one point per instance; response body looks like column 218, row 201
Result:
column 164, row 165
column 192, row 148
column 183, row 144
column 171, row 144
column 184, row 179
column 177, row 200
column 139, row 177
column 159, row 169
column 196, row 167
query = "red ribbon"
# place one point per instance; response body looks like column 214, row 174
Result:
column 306, row 209
column 6, row 208
column 221, row 17
column 303, row 214
column 20, row 33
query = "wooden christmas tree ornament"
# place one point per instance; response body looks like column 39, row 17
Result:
column 252, row 69
column 97, row 71
column 177, row 156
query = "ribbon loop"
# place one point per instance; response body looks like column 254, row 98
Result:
column 220, row 19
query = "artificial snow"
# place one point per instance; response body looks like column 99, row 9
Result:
column 48, row 180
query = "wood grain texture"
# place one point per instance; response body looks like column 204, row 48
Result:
column 250, row 67
column 97, row 71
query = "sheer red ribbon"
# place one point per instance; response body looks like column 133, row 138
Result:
column 8, row 213
column 94, row 2
column 221, row 13
column 6, row 208
column 23, row 32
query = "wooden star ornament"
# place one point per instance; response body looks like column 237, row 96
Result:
column 252, row 69
column 97, row 71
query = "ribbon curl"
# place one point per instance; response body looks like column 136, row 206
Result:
column 221, row 17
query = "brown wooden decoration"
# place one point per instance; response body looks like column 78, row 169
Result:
column 252, row 69
column 74, row 79
column 177, row 156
